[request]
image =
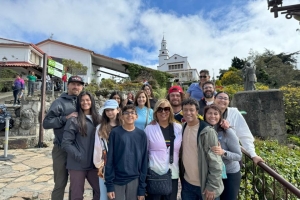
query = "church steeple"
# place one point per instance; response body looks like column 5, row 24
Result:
column 163, row 52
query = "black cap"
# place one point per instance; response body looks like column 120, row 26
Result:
column 75, row 79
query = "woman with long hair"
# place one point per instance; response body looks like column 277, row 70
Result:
column 143, row 110
column 232, row 117
column 78, row 141
column 230, row 151
column 159, row 136
column 110, row 119
column 118, row 97
column 149, row 91
column 130, row 99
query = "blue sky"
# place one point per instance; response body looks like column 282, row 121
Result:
column 209, row 33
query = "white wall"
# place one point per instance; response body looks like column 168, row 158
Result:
column 60, row 51
column 16, row 54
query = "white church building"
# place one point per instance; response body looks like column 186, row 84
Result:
column 176, row 65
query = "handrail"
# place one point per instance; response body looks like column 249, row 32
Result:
column 294, row 190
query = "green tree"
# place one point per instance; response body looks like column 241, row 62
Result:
column 73, row 67
column 273, row 69
column 237, row 63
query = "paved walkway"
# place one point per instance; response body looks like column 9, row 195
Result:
column 29, row 175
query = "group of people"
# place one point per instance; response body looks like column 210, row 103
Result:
column 195, row 140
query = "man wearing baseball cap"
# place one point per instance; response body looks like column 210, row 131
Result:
column 60, row 111
column 176, row 96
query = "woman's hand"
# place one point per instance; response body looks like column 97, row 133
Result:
column 218, row 150
column 209, row 195
column 225, row 124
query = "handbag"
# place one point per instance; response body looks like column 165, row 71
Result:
column 162, row 184
column 146, row 118
column 103, row 162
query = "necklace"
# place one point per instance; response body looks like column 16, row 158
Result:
column 128, row 129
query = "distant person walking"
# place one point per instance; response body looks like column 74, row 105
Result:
column 62, row 109
column 64, row 80
column 31, row 80
column 18, row 86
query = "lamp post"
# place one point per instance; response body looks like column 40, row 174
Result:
column 4, row 59
column 289, row 11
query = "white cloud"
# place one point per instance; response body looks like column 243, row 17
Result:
column 210, row 40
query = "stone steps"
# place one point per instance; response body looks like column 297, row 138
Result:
column 18, row 142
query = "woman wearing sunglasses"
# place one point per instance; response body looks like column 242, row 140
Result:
column 159, row 136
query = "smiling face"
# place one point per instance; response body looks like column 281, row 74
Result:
column 163, row 112
column 190, row 113
column 117, row 98
column 222, row 101
column 142, row 99
column 111, row 113
column 129, row 116
column 74, row 88
column 175, row 98
column 208, row 90
column 204, row 77
column 85, row 103
column 212, row 116
column 147, row 90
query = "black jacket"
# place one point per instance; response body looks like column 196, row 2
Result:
column 79, row 148
column 202, row 104
column 56, row 116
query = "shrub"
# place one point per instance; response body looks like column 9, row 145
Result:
column 92, row 87
column 292, row 108
column 232, row 89
column 160, row 93
column 284, row 160
column 232, row 77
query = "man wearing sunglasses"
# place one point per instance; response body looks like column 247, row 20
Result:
column 195, row 89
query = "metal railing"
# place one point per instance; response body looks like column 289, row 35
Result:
column 263, row 183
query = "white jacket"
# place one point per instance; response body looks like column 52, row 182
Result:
column 98, row 148
column 239, row 124
column 159, row 153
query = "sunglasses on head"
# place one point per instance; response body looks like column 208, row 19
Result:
column 161, row 109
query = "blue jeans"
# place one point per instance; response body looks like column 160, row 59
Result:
column 191, row 192
column 103, row 190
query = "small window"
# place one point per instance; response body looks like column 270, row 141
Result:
column 163, row 52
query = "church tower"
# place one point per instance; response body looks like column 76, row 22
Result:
column 163, row 52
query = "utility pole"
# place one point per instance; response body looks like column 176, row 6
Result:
column 43, row 98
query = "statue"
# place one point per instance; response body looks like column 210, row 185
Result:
column 249, row 76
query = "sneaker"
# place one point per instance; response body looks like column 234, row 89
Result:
column 14, row 104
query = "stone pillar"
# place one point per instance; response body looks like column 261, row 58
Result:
column 265, row 113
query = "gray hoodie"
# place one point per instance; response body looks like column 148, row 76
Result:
column 56, row 116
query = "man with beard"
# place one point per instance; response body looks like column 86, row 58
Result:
column 175, row 97
column 60, row 111
column 208, row 93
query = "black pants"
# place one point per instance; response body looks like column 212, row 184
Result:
column 77, row 180
column 16, row 92
column 172, row 196
column 2, row 126
column 59, row 157
column 231, row 186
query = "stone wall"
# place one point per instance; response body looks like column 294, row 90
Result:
column 265, row 113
